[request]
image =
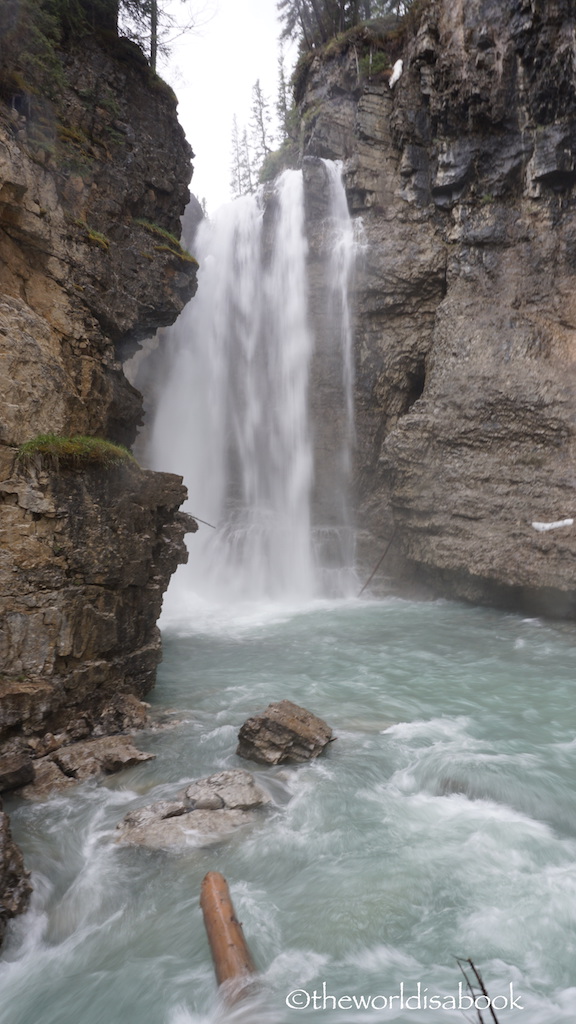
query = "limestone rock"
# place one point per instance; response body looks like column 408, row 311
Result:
column 235, row 789
column 15, row 888
column 464, row 178
column 48, row 779
column 109, row 754
column 16, row 767
column 205, row 811
column 85, row 555
column 123, row 713
column 195, row 828
column 283, row 732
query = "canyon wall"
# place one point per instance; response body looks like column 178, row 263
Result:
column 92, row 187
column 462, row 180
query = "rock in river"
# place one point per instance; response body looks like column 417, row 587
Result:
column 205, row 811
column 283, row 732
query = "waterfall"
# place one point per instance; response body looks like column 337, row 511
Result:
column 236, row 416
column 333, row 535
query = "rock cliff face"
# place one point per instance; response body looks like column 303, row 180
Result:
column 91, row 192
column 464, row 176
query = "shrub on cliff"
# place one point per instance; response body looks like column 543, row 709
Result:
column 57, row 452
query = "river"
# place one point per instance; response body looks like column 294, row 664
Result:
column 440, row 823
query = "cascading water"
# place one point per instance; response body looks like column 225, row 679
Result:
column 235, row 418
column 333, row 534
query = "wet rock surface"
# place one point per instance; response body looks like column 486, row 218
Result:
column 15, row 887
column 207, row 810
column 16, row 766
column 65, row 766
column 464, row 178
column 283, row 732
column 86, row 552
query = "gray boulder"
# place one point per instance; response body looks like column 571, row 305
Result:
column 207, row 810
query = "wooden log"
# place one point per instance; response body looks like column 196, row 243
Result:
column 232, row 959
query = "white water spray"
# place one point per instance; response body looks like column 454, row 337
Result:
column 234, row 418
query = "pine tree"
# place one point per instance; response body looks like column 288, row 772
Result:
column 246, row 166
column 236, row 163
column 282, row 102
column 314, row 22
column 242, row 176
column 260, row 125
column 153, row 24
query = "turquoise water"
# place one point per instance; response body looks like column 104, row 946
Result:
column 440, row 823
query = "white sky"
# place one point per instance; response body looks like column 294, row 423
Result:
column 212, row 70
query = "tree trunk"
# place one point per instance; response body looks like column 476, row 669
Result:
column 153, row 34
column 232, row 960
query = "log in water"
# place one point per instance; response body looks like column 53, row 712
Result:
column 232, row 959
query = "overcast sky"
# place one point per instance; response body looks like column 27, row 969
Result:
column 212, row 70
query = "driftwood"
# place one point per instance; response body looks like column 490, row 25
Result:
column 232, row 960
column 378, row 564
column 481, row 987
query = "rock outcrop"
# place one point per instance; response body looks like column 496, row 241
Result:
column 464, row 176
column 88, row 208
column 281, row 733
column 67, row 765
column 93, row 182
column 207, row 810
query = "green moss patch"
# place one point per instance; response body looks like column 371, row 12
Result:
column 93, row 236
column 173, row 245
column 57, row 452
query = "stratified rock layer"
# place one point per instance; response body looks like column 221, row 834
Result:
column 92, row 187
column 86, row 552
column 283, row 732
column 464, row 176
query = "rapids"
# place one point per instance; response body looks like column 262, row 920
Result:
column 441, row 823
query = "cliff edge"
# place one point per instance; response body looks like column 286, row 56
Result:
column 464, row 178
column 94, row 169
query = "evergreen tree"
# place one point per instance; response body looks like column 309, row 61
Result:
column 236, row 161
column 153, row 24
column 283, row 104
column 314, row 22
column 246, row 166
column 260, row 125
column 242, row 177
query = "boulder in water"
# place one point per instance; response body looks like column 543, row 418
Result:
column 207, row 810
column 283, row 732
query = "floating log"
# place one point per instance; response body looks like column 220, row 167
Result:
column 232, row 960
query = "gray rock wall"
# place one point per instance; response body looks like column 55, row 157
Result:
column 86, row 553
column 464, row 178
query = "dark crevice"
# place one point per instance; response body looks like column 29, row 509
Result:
column 416, row 381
